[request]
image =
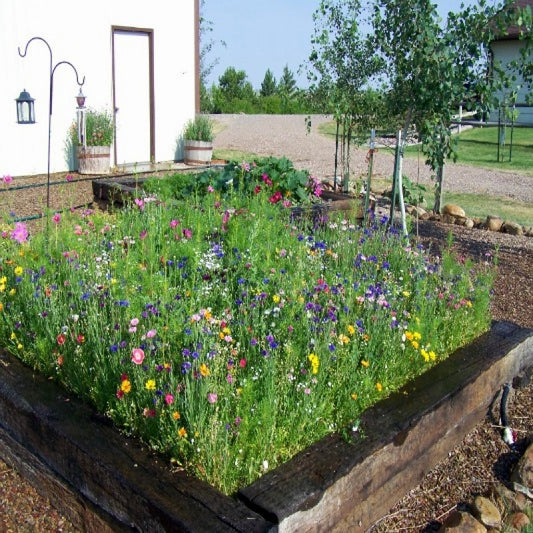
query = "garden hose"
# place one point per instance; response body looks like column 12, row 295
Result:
column 509, row 435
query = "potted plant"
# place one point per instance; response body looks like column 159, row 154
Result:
column 198, row 140
column 94, row 155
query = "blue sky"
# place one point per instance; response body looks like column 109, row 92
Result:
column 261, row 34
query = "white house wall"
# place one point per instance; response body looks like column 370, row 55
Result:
column 81, row 34
column 504, row 52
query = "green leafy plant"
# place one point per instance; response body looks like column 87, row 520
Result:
column 200, row 128
column 99, row 129
column 273, row 178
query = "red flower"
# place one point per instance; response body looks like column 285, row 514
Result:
column 275, row 198
column 61, row 338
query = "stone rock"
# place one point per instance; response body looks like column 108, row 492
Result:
column 447, row 219
column 469, row 223
column 528, row 232
column 486, row 512
column 509, row 499
column 493, row 223
column 461, row 522
column 453, row 210
column 523, row 471
column 460, row 221
column 519, row 521
column 512, row 228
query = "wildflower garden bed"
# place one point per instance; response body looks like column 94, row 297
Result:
column 235, row 341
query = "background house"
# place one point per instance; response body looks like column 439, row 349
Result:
column 139, row 59
column 505, row 50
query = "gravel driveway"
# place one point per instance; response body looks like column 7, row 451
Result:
column 287, row 135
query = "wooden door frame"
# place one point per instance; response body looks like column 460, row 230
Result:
column 150, row 33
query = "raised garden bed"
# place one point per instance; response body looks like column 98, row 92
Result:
column 103, row 481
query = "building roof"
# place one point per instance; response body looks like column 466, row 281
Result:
column 513, row 32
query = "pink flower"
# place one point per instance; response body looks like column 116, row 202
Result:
column 20, row 233
column 7, row 179
column 56, row 218
column 187, row 233
column 169, row 399
column 257, row 189
column 69, row 177
column 212, row 397
column 78, row 230
column 174, row 223
column 210, row 189
column 139, row 203
column 143, row 234
column 151, row 333
column 134, row 322
column 137, row 356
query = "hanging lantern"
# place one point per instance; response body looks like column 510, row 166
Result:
column 25, row 108
column 80, row 99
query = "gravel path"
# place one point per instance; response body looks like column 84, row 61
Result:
column 287, row 135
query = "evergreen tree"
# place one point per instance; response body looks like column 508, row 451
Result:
column 287, row 83
column 268, row 86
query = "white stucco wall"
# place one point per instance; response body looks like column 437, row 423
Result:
column 81, row 34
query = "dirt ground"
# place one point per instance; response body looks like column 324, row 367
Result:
column 483, row 459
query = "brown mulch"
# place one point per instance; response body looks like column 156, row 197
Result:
column 474, row 467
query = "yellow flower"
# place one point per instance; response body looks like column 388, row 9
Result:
column 125, row 386
column 415, row 344
column 276, row 298
column 226, row 331
column 432, row 355
column 354, row 396
column 409, row 336
column 379, row 386
column 208, row 315
column 150, row 384
column 204, row 370
column 19, row 346
column 417, row 335
column 1, row 307
column 406, row 294
column 315, row 362
column 344, row 339
column 113, row 281
column 18, row 271
column 301, row 299
column 424, row 354
column 13, row 336
column 176, row 415
column 3, row 279
column 351, row 329
column 182, row 432
column 365, row 363
column 12, row 292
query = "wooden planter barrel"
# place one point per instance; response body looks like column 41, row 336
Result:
column 94, row 160
column 198, row 152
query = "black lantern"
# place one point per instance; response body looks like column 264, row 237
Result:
column 25, row 108
column 80, row 99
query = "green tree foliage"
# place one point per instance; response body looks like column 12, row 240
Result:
column 268, row 85
column 287, row 83
column 341, row 65
column 432, row 68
